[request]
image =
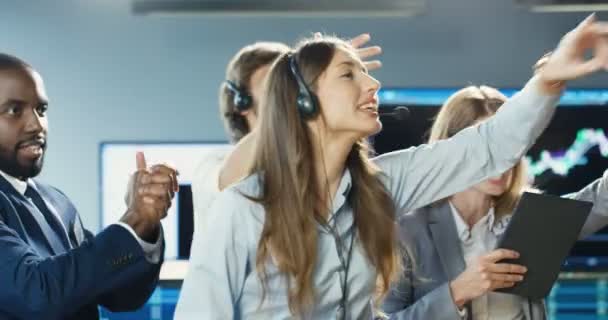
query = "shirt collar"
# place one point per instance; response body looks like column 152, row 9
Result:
column 345, row 183
column 19, row 185
column 342, row 191
column 464, row 233
column 339, row 199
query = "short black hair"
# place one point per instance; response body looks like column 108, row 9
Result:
column 8, row 61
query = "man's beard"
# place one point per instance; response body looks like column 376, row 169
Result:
column 9, row 164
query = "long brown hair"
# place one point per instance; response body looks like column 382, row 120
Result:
column 290, row 193
column 465, row 108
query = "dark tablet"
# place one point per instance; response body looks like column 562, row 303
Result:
column 543, row 229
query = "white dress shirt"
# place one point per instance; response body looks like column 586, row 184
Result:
column 475, row 242
column 152, row 251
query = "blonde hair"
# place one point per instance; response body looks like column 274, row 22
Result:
column 291, row 195
column 465, row 108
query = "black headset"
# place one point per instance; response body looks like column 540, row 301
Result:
column 306, row 101
column 241, row 98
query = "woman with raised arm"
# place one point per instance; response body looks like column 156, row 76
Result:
column 312, row 232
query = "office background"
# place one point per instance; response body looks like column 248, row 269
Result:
column 112, row 75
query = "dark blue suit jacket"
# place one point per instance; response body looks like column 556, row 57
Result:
column 109, row 269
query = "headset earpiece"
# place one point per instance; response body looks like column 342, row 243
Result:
column 241, row 99
column 306, row 101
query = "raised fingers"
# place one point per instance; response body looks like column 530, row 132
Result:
column 359, row 40
column 140, row 161
column 372, row 65
column 367, row 52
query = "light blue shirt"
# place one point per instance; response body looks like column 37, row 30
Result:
column 222, row 282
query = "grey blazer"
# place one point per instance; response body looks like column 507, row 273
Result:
column 430, row 233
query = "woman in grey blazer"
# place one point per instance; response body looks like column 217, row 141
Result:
column 452, row 270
